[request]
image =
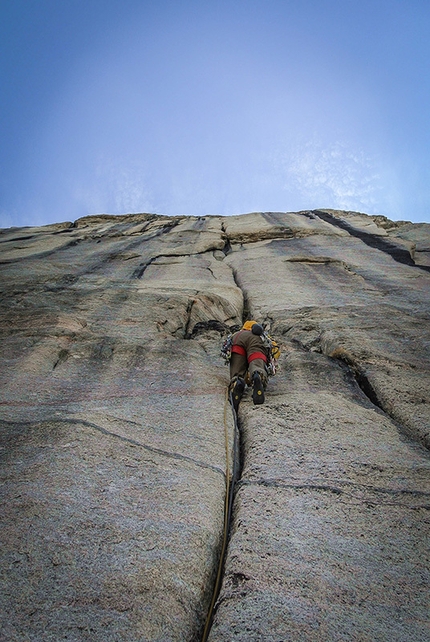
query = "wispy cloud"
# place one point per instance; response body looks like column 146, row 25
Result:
column 334, row 174
column 118, row 187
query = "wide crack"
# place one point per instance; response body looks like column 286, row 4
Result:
column 357, row 374
column 227, row 245
column 372, row 240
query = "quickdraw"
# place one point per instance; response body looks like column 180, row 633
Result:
column 226, row 349
column 271, row 366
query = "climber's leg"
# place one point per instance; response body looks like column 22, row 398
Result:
column 257, row 388
column 238, row 368
column 236, row 390
column 238, row 365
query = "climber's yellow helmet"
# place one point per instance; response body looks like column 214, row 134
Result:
column 248, row 325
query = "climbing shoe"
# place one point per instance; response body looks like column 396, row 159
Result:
column 258, row 389
column 237, row 389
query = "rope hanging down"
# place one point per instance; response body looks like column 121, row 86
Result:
column 228, row 507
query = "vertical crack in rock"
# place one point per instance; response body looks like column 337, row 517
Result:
column 228, row 520
column 246, row 307
column 369, row 391
column 237, row 467
column 227, row 245
column 372, row 240
column 238, row 461
column 356, row 374
column 187, row 324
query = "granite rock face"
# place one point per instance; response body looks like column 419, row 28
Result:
column 114, row 416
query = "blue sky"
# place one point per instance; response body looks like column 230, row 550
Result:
column 213, row 107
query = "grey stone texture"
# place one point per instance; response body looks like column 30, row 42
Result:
column 113, row 417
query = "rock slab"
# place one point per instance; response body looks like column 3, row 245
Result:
column 113, row 429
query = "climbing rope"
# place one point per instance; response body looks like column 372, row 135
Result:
column 228, row 506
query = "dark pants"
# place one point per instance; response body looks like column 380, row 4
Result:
column 240, row 364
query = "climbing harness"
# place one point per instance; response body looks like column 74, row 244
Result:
column 270, row 361
column 228, row 506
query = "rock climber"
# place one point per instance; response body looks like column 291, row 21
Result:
column 252, row 355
